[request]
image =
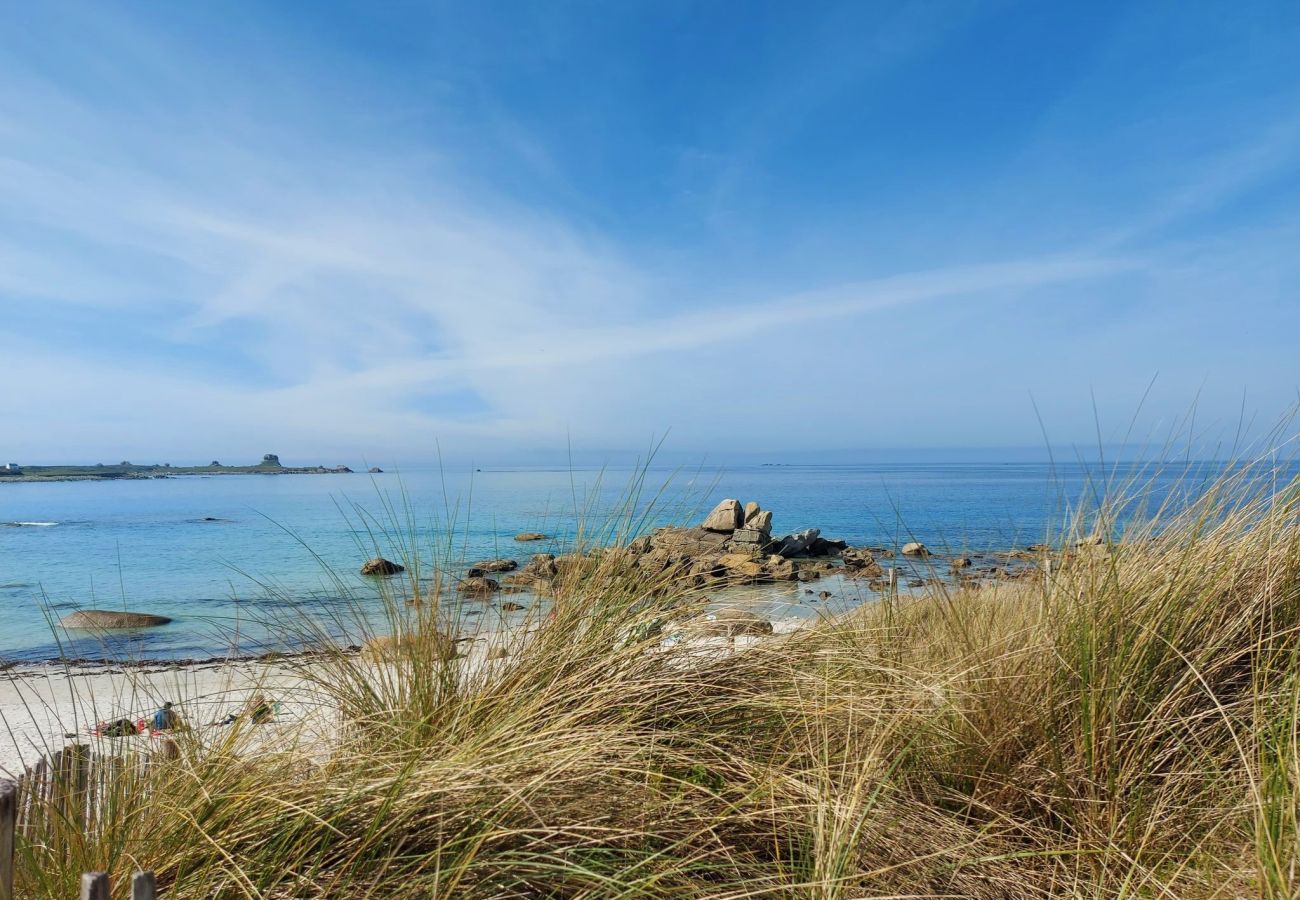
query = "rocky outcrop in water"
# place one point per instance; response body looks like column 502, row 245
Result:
column 104, row 619
column 733, row 545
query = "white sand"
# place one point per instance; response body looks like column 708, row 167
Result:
column 41, row 705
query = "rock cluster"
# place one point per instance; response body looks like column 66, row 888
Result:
column 734, row 544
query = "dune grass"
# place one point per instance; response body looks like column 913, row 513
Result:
column 1127, row 730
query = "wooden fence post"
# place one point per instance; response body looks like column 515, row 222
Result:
column 144, row 886
column 1047, row 575
column 893, row 582
column 79, row 777
column 94, row 886
column 8, row 823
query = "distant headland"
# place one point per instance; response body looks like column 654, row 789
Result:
column 270, row 465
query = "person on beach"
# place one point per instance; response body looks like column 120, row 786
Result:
column 116, row 728
column 166, row 718
column 257, row 709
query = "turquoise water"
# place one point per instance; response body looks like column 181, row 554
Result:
column 203, row 550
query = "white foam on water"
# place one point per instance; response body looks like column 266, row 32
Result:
column 31, row 524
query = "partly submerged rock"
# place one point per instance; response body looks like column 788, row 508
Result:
column 530, row 536
column 727, row 516
column 478, row 587
column 860, row 562
column 798, row 543
column 915, row 548
column 496, row 565
column 94, row 619
column 381, row 566
column 509, row 606
column 780, row 568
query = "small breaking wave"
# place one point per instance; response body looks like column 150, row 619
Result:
column 28, row 524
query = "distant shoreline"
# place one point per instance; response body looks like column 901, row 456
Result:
column 126, row 471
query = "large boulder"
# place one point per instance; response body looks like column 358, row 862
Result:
column 496, row 565
column 798, row 543
column 760, row 520
column 749, row 540
column 381, row 566
column 915, row 548
column 100, row 619
column 689, row 541
column 727, row 516
column 742, row 566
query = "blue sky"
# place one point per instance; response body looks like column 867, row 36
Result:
column 783, row 229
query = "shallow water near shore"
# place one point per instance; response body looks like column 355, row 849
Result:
column 225, row 557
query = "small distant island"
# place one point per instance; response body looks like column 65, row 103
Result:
column 270, row 465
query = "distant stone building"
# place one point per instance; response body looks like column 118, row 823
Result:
column 11, row 469
column 270, row 459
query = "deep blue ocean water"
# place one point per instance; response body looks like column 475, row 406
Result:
column 203, row 550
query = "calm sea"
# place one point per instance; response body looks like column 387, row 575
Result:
column 221, row 555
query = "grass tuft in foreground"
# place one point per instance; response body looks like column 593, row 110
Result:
column 1128, row 730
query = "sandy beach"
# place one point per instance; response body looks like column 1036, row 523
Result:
column 40, row 706
column 45, row 707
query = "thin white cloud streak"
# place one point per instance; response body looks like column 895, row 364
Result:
column 561, row 348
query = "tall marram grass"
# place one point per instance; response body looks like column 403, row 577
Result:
column 1129, row 729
